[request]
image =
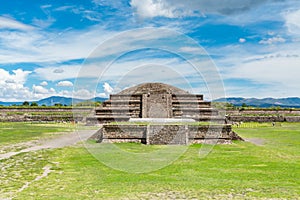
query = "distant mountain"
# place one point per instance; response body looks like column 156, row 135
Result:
column 291, row 102
column 50, row 101
column 10, row 103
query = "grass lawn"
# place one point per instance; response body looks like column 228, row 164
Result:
column 25, row 131
column 241, row 170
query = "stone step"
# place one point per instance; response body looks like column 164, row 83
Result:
column 195, row 112
column 189, row 115
column 117, row 114
column 117, row 109
column 122, row 101
column 187, row 101
column 187, row 97
column 210, row 118
column 106, row 119
column 125, row 97
column 203, row 118
column 193, row 106
column 209, row 109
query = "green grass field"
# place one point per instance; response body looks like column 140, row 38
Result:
column 241, row 170
column 22, row 132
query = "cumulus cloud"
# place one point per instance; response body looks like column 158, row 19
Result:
column 179, row 8
column 44, row 83
column 38, row 89
column 83, row 94
column 10, row 81
column 40, row 92
column 242, row 40
column 19, row 76
column 12, row 85
column 107, row 88
column 65, row 84
column 272, row 40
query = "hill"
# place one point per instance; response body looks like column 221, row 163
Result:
column 291, row 102
column 50, row 101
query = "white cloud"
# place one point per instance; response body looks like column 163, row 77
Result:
column 293, row 22
column 8, row 23
column 150, row 8
column 58, row 71
column 38, row 89
column 179, row 8
column 64, row 8
column 19, row 76
column 51, row 73
column 43, row 23
column 40, row 46
column 242, row 40
column 12, row 85
column 40, row 92
column 272, row 40
column 65, row 84
column 102, row 95
column 44, row 83
column 107, row 88
column 82, row 94
column 281, row 73
column 188, row 49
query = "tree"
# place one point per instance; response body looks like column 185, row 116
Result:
column 229, row 105
column 244, row 105
column 34, row 104
column 25, row 103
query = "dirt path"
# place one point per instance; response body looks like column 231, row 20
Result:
column 58, row 142
column 256, row 141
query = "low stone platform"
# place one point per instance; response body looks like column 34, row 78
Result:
column 161, row 120
column 162, row 134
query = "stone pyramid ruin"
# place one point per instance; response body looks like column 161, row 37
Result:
column 158, row 113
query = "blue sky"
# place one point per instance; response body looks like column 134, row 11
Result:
column 53, row 47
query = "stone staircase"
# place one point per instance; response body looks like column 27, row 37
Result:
column 121, row 107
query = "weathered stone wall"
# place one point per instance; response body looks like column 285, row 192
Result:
column 43, row 114
column 264, row 112
column 165, row 134
column 124, row 133
column 231, row 119
column 263, row 115
column 157, row 105
column 39, row 118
